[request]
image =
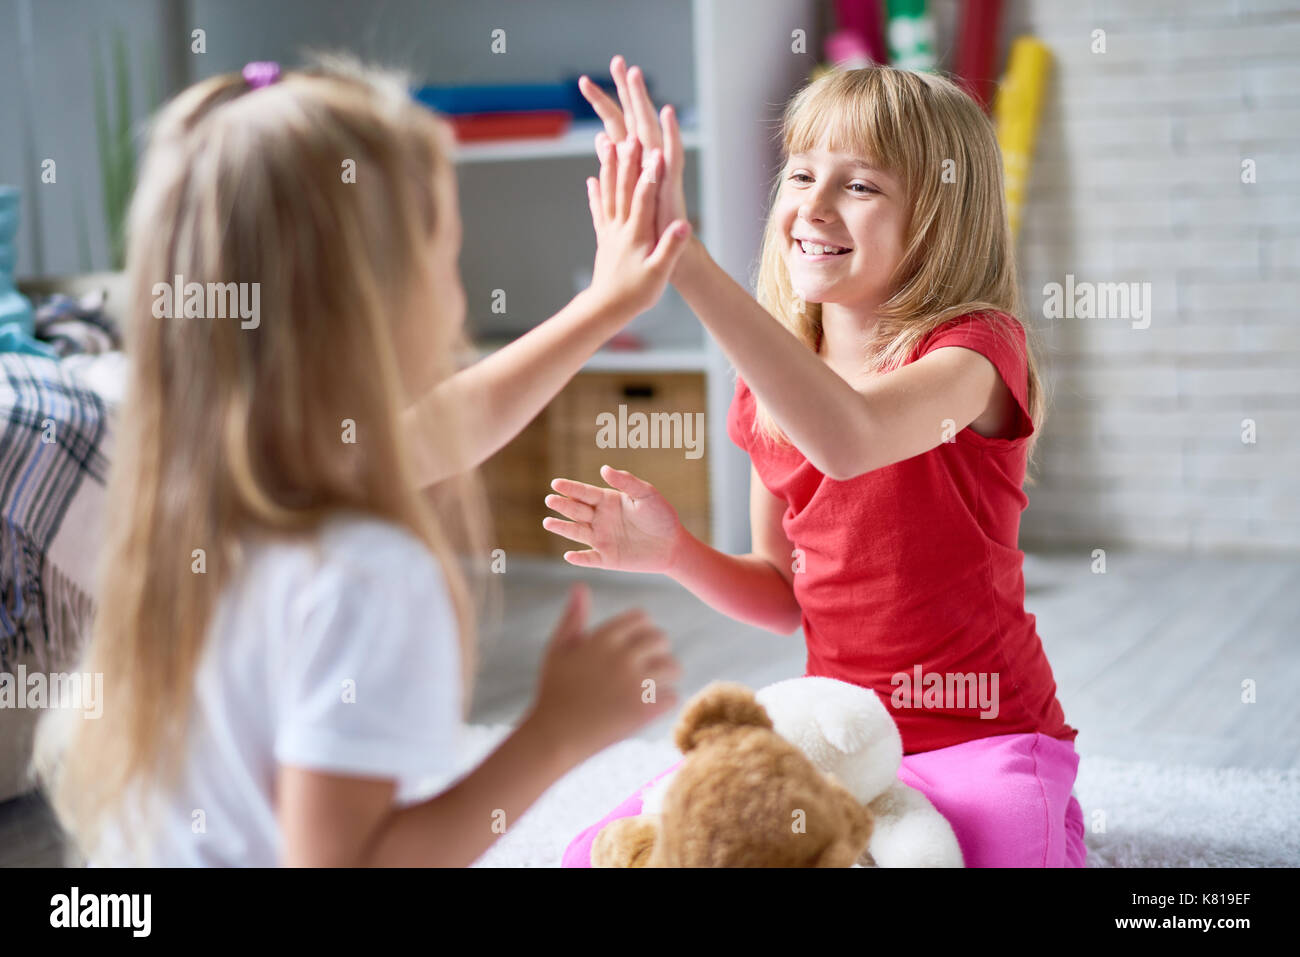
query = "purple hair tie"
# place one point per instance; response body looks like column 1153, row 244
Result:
column 261, row 73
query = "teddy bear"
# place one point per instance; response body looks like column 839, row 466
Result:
column 847, row 732
column 743, row 796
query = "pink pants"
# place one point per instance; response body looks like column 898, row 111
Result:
column 1008, row 798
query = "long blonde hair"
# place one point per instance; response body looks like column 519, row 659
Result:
column 958, row 254
column 228, row 432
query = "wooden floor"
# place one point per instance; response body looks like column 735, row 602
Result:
column 1150, row 658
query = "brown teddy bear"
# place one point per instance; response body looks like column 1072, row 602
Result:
column 743, row 797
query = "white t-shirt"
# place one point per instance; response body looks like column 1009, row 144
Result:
column 339, row 655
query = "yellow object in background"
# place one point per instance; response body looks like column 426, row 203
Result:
column 1016, row 111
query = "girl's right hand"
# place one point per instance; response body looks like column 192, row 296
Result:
column 600, row 685
column 629, row 527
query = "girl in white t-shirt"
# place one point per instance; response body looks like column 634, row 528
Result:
column 284, row 629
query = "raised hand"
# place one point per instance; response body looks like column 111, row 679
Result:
column 628, row 527
column 592, row 690
column 634, row 115
column 633, row 257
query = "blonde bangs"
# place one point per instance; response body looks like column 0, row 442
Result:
column 845, row 113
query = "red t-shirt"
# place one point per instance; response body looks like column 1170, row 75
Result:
column 912, row 583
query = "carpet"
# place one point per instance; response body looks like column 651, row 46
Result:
column 1136, row 814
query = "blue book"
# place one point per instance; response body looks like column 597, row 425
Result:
column 511, row 97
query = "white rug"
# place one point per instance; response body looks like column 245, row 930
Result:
column 1136, row 815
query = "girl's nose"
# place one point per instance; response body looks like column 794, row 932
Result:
column 815, row 208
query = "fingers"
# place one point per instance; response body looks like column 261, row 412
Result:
column 643, row 110
column 608, row 175
column 648, row 642
column 579, row 491
column 627, row 482
column 618, row 70
column 672, row 144
column 588, row 559
column 629, row 172
column 609, row 112
column 671, row 246
column 573, row 531
column 663, row 668
column 633, row 627
column 596, row 203
column 573, row 620
column 578, row 511
column 663, row 663
column 644, row 205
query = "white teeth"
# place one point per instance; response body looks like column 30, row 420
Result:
column 817, row 249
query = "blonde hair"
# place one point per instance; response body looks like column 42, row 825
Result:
column 229, row 432
column 958, row 254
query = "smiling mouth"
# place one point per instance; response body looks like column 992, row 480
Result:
column 820, row 249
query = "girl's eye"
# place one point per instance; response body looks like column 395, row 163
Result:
column 863, row 188
column 800, row 178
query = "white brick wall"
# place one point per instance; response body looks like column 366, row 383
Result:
column 1137, row 177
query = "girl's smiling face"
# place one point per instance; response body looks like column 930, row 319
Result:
column 843, row 222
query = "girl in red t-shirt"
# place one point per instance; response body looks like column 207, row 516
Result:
column 888, row 399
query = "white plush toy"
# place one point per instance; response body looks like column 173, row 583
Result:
column 845, row 731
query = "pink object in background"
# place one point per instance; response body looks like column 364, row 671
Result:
column 865, row 19
column 847, row 51
column 977, row 49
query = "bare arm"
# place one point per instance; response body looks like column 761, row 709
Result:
column 496, row 397
column 337, row 821
column 756, row 588
column 844, row 432
column 631, row 527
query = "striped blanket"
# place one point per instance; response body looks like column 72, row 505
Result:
column 53, row 467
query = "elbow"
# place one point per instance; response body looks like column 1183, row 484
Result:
column 848, row 463
column 844, row 461
column 788, row 623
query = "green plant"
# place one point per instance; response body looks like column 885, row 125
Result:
column 114, row 135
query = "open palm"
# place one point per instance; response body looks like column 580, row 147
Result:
column 628, row 527
column 634, row 114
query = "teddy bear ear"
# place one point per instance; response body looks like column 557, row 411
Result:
column 722, row 704
column 625, row 842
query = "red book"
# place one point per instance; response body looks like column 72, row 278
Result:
column 532, row 124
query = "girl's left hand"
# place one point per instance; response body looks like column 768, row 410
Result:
column 635, row 114
column 633, row 258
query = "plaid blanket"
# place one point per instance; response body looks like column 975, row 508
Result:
column 75, row 326
column 53, row 467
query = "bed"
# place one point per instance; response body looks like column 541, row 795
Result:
column 56, row 415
